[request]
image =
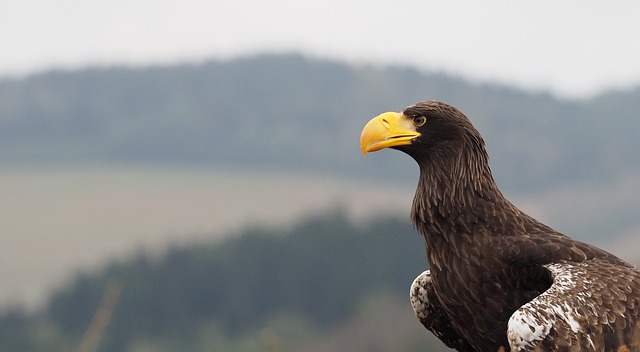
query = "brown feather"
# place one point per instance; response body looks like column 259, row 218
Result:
column 487, row 258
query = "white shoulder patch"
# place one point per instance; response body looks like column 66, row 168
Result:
column 561, row 307
column 418, row 294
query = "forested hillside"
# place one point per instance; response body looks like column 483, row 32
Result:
column 306, row 281
column 295, row 112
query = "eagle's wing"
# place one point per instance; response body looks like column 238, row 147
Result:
column 427, row 309
column 591, row 306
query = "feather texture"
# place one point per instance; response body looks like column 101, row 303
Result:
column 499, row 279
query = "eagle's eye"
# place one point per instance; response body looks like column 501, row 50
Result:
column 419, row 121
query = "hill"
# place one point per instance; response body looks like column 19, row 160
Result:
column 290, row 111
column 303, row 285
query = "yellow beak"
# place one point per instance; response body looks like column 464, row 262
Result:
column 387, row 130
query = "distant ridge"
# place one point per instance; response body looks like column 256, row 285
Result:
column 290, row 111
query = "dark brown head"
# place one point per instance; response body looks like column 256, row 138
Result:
column 454, row 166
column 431, row 132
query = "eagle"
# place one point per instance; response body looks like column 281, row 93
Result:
column 498, row 279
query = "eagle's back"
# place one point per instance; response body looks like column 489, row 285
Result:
column 591, row 306
column 482, row 277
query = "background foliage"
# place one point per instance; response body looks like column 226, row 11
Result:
column 311, row 277
column 325, row 283
column 295, row 112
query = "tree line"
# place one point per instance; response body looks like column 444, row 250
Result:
column 320, row 269
column 293, row 111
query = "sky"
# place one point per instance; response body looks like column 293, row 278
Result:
column 573, row 48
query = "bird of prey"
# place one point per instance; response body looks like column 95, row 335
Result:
column 500, row 280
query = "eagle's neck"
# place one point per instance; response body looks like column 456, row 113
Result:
column 457, row 194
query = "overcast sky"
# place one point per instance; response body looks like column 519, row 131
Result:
column 574, row 48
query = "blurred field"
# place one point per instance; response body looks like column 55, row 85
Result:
column 59, row 220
